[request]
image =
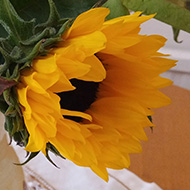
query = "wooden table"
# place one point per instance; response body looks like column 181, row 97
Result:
column 166, row 156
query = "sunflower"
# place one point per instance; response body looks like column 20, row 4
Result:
column 91, row 95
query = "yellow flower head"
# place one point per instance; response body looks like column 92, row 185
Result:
column 91, row 96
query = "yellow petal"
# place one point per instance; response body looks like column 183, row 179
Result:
column 47, row 80
column 119, row 43
column 45, row 65
column 101, row 171
column 88, row 22
column 37, row 138
column 65, row 146
column 72, row 68
column 50, row 103
column 70, row 51
column 63, row 84
column 130, row 144
column 97, row 71
column 160, row 82
column 22, row 97
column 127, row 18
column 89, row 44
column 88, row 154
column 76, row 114
column 147, row 47
column 33, row 84
column 125, row 25
column 46, row 123
column 73, row 133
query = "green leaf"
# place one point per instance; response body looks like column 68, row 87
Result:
column 116, row 8
column 167, row 12
column 17, row 28
column 39, row 9
column 178, row 2
column 72, row 8
column 29, row 9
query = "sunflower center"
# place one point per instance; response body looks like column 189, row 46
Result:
column 79, row 99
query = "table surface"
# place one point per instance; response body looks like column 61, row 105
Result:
column 166, row 157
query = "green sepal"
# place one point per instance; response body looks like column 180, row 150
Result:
column 1, row 59
column 49, row 159
column 17, row 124
column 65, row 26
column 9, row 125
column 51, row 148
column 4, row 106
column 34, row 52
column 13, row 124
column 176, row 34
column 49, row 43
column 10, row 97
column 15, row 53
column 150, row 118
column 21, row 137
column 6, row 96
column 30, row 157
column 11, row 111
column 15, row 74
column 47, row 32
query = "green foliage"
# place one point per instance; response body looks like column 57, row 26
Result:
column 116, row 8
column 17, row 29
column 181, row 3
column 30, row 9
column 172, row 14
column 39, row 9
